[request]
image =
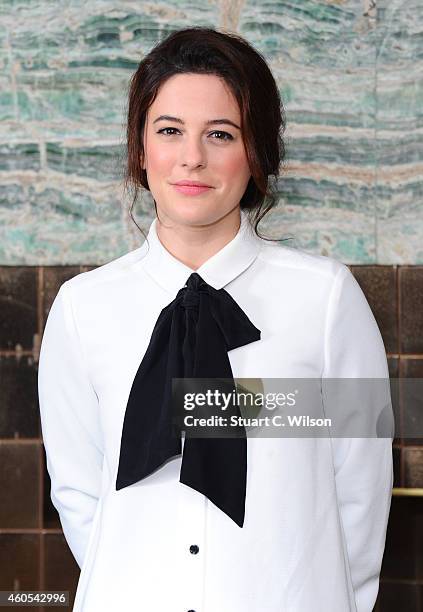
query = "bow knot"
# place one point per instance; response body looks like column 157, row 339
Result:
column 190, row 294
column 195, row 282
column 190, row 299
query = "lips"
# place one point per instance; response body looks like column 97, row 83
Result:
column 191, row 189
column 191, row 184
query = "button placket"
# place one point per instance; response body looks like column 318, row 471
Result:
column 192, row 515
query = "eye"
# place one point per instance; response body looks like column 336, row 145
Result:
column 164, row 129
column 226, row 135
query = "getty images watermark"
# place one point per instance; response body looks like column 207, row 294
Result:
column 297, row 407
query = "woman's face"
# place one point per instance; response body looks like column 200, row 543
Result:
column 186, row 147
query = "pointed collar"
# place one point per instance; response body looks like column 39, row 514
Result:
column 221, row 268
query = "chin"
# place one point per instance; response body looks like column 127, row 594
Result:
column 194, row 213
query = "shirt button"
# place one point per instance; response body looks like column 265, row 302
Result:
column 194, row 550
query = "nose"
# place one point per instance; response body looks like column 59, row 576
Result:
column 193, row 152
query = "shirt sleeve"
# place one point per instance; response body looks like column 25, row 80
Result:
column 363, row 466
column 70, row 427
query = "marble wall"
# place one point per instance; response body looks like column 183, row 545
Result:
column 350, row 76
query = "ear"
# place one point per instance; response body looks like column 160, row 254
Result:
column 142, row 161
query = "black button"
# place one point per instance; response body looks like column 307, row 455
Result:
column 194, row 550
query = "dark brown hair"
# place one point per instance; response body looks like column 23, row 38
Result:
column 204, row 50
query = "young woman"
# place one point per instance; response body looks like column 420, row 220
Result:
column 158, row 523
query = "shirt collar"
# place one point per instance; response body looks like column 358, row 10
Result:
column 225, row 265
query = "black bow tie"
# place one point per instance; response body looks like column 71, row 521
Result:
column 190, row 339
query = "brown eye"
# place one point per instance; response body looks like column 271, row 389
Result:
column 164, row 129
column 226, row 134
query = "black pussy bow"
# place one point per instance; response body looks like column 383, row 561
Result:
column 190, row 339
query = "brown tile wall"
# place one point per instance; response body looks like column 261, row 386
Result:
column 33, row 552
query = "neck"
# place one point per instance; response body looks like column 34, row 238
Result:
column 193, row 245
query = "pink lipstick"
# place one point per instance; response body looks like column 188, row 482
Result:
column 191, row 189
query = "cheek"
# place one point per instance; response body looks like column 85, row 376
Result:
column 159, row 157
column 234, row 163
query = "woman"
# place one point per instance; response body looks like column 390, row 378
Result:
column 209, row 524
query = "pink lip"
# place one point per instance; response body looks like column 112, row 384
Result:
column 191, row 189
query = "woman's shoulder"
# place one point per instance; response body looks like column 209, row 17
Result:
column 110, row 271
column 285, row 257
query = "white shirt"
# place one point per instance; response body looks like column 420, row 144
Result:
column 316, row 508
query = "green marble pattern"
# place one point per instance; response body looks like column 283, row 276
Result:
column 350, row 76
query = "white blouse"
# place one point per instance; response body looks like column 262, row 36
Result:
column 316, row 508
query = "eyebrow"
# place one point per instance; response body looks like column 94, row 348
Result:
column 211, row 122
